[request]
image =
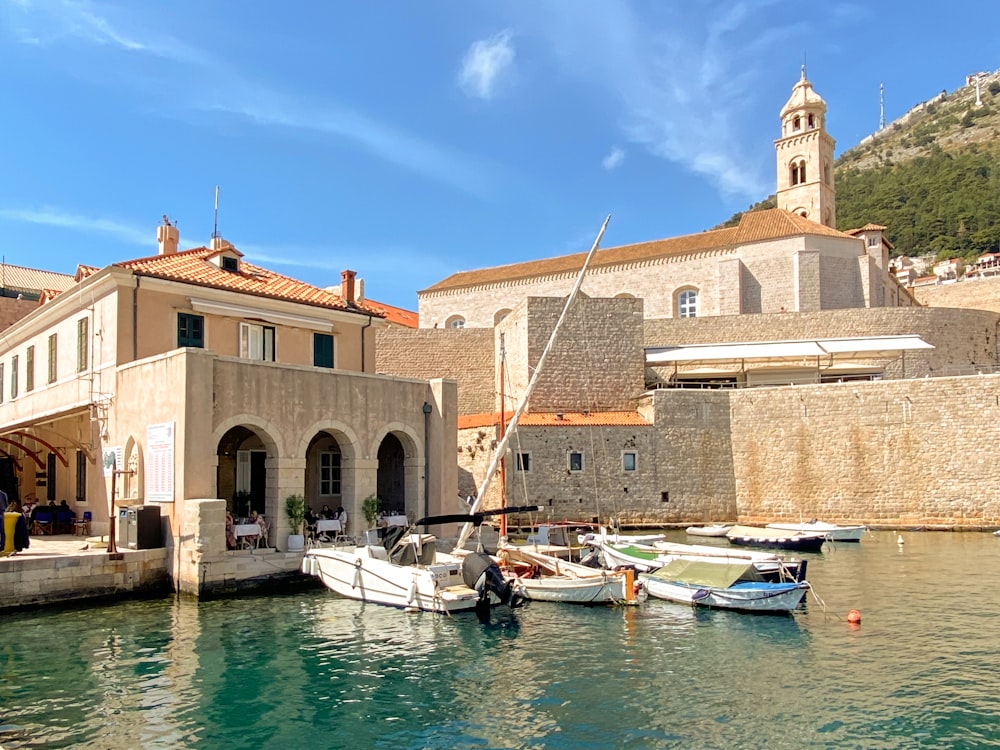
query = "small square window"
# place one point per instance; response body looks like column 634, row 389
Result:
column 575, row 461
column 230, row 264
column 524, row 462
column 628, row 461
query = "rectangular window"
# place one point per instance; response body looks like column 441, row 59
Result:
column 329, row 473
column 1, row 382
column 628, row 461
column 50, row 477
column 52, row 358
column 82, row 341
column 191, row 330
column 257, row 342
column 575, row 462
column 29, row 369
column 81, row 477
column 873, row 241
column 322, row 350
column 13, row 376
column 524, row 462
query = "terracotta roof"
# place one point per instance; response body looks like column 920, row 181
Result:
column 557, row 419
column 395, row 315
column 195, row 267
column 32, row 279
column 754, row 226
column 866, row 228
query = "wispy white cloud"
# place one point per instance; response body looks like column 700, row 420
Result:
column 485, row 62
column 53, row 217
column 613, row 159
column 683, row 76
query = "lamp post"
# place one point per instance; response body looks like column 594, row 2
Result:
column 427, row 461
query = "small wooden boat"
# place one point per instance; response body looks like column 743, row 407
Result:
column 770, row 566
column 832, row 531
column 711, row 530
column 757, row 536
column 544, row 578
column 722, row 585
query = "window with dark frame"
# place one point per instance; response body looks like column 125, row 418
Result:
column 329, row 473
column 524, row 462
column 323, row 350
column 191, row 330
column 628, row 461
column 81, row 477
column 575, row 461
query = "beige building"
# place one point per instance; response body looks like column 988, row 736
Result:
column 776, row 369
column 788, row 259
column 197, row 382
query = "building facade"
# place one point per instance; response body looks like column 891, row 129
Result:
column 193, row 376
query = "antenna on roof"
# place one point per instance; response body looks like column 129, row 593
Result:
column 881, row 106
column 803, row 66
column 215, row 228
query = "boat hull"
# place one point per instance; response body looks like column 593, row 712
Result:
column 750, row 596
column 553, row 580
column 355, row 574
column 771, row 566
column 715, row 531
column 831, row 531
column 792, row 542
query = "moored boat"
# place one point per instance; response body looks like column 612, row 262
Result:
column 722, row 585
column 770, row 566
column 832, row 531
column 758, row 536
column 539, row 577
column 709, row 530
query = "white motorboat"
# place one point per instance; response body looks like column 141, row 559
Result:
column 722, row 585
column 831, row 531
column 710, row 530
column 408, row 572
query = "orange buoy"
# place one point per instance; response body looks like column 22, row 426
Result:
column 854, row 616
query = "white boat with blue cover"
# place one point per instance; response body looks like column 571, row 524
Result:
column 722, row 585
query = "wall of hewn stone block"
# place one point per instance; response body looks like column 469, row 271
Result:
column 462, row 355
column 981, row 294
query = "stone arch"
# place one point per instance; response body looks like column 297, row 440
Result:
column 329, row 450
column 624, row 295
column 132, row 483
column 399, row 458
column 455, row 321
column 499, row 315
column 248, row 449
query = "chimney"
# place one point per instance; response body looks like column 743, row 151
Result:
column 167, row 237
column 347, row 285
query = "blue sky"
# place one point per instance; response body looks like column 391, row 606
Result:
column 408, row 141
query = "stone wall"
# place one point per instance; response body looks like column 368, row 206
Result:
column 28, row 581
column 464, row 355
column 980, row 294
column 892, row 452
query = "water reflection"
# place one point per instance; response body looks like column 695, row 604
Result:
column 314, row 670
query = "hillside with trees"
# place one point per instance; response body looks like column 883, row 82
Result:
column 932, row 177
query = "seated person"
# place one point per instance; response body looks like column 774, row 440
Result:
column 259, row 520
column 326, row 512
column 311, row 519
column 230, row 531
column 342, row 517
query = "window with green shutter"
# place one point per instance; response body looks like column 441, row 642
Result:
column 29, row 369
column 322, row 350
column 82, row 341
column 52, row 358
column 190, row 330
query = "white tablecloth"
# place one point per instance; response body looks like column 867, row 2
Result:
column 396, row 521
column 327, row 524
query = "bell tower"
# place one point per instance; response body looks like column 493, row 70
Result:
column 805, row 157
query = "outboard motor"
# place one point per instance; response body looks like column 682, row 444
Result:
column 482, row 574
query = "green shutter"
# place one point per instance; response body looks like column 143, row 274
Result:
column 322, row 350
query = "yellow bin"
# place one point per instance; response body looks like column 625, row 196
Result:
column 9, row 522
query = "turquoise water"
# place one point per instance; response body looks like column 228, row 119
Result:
column 310, row 670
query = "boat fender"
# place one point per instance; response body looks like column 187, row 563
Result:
column 412, row 593
column 854, row 617
column 357, row 573
column 699, row 595
column 307, row 565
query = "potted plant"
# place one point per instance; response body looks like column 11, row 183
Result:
column 370, row 506
column 295, row 512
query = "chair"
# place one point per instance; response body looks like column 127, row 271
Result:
column 81, row 526
column 43, row 521
column 65, row 520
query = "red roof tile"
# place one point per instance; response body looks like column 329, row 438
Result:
column 396, row 315
column 754, row 226
column 195, row 267
column 557, row 419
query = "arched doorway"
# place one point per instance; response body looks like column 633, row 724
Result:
column 242, row 475
column 391, row 479
column 324, row 480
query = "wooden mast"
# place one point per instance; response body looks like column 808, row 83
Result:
column 503, row 431
column 463, row 536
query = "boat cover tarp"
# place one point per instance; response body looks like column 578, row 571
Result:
column 720, row 575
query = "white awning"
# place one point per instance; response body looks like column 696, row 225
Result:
column 866, row 346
